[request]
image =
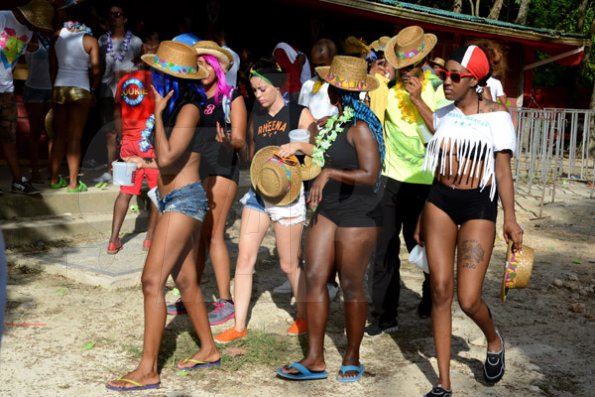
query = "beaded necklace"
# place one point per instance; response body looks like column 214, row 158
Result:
column 118, row 56
column 77, row 27
column 328, row 134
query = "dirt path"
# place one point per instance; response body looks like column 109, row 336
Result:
column 83, row 336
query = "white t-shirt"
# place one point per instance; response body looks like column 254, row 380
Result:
column 112, row 68
column 496, row 89
column 318, row 103
column 473, row 138
column 14, row 38
column 231, row 76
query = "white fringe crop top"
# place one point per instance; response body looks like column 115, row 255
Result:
column 472, row 138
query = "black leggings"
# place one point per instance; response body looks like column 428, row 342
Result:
column 462, row 205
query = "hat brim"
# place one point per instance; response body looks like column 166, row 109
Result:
column 259, row 159
column 39, row 21
column 398, row 63
column 370, row 85
column 225, row 59
column 523, row 272
column 200, row 73
column 309, row 169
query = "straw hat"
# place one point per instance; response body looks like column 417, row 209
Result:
column 348, row 73
column 38, row 13
column 278, row 180
column 49, row 123
column 209, row 47
column 70, row 3
column 380, row 44
column 176, row 59
column 409, row 46
column 517, row 270
column 309, row 169
column 438, row 61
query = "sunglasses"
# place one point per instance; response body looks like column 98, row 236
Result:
column 455, row 77
column 116, row 14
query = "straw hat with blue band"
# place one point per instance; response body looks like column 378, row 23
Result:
column 176, row 59
column 409, row 46
column 278, row 180
column 348, row 73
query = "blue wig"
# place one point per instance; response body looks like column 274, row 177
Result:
column 189, row 90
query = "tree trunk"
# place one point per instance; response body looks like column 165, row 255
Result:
column 496, row 8
column 457, row 6
column 582, row 8
column 521, row 18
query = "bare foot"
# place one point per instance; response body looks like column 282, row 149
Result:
column 312, row 365
column 350, row 371
column 135, row 380
column 200, row 359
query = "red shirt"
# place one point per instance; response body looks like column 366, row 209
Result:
column 135, row 96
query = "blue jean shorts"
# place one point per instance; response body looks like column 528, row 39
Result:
column 190, row 200
column 36, row 95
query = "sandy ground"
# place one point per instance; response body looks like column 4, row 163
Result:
column 78, row 337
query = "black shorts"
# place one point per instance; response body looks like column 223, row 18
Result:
column 463, row 205
column 355, row 211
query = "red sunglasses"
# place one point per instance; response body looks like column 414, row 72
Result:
column 455, row 77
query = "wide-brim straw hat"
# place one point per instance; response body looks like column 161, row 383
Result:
column 517, row 270
column 38, row 13
column 278, row 180
column 380, row 43
column 208, row 47
column 176, row 59
column 309, row 169
column 438, row 61
column 409, row 46
column 49, row 123
column 348, row 73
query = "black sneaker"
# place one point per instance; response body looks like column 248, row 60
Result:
column 424, row 309
column 375, row 329
column 493, row 368
column 24, row 187
column 439, row 391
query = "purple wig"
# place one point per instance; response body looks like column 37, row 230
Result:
column 222, row 89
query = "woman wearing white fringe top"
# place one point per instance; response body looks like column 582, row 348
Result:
column 470, row 154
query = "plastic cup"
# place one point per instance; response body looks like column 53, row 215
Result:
column 123, row 173
column 299, row 136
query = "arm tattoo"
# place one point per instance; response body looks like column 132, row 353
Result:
column 471, row 254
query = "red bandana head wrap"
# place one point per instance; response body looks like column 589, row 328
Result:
column 473, row 59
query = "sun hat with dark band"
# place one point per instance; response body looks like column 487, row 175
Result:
column 348, row 73
column 438, row 61
column 176, row 59
column 208, row 47
column 278, row 180
column 38, row 13
column 517, row 270
column 473, row 59
column 409, row 46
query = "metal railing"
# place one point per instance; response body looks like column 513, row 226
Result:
column 552, row 144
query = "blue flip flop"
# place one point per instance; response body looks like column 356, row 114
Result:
column 137, row 386
column 199, row 364
column 304, row 373
column 348, row 368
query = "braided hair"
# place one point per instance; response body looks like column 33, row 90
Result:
column 365, row 114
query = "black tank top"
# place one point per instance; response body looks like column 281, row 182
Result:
column 274, row 130
column 170, row 122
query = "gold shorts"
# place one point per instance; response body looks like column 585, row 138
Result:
column 63, row 95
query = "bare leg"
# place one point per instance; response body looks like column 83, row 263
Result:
column 253, row 227
column 476, row 241
column 440, row 235
column 288, row 241
column 353, row 247
column 153, row 217
column 36, row 113
column 320, row 260
column 77, row 117
column 110, row 138
column 221, row 193
column 59, row 141
column 120, row 209
column 175, row 236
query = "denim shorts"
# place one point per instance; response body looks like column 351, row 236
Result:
column 287, row 215
column 36, row 95
column 190, row 200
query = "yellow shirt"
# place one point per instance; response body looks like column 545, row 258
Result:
column 403, row 132
column 379, row 97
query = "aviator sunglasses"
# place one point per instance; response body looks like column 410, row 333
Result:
column 455, row 77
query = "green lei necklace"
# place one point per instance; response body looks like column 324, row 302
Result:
column 327, row 135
